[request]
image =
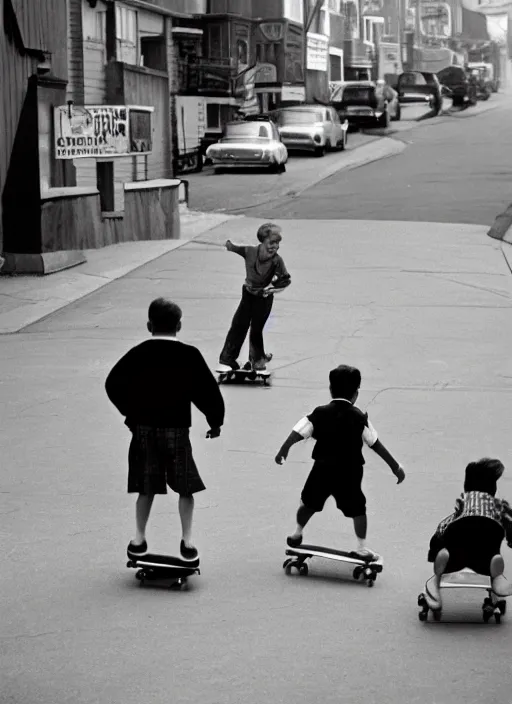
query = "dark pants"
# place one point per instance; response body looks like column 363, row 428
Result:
column 252, row 312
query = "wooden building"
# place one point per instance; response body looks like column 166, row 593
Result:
column 86, row 158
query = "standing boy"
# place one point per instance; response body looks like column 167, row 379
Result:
column 153, row 386
column 266, row 274
column 339, row 429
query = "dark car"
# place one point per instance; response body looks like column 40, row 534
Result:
column 463, row 88
column 420, row 87
column 359, row 103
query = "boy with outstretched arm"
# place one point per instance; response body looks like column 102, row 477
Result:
column 266, row 275
column 153, row 386
column 339, row 428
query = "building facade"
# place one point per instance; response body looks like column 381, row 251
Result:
column 90, row 162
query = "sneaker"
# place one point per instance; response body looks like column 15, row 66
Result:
column 188, row 553
column 134, row 549
column 293, row 541
column 232, row 365
column 259, row 366
column 366, row 554
column 268, row 357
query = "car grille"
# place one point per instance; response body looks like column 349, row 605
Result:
column 296, row 135
column 251, row 154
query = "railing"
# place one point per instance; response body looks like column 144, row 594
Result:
column 203, row 75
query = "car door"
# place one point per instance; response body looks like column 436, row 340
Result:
column 328, row 126
column 336, row 126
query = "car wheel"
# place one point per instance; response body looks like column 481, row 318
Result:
column 319, row 151
column 398, row 113
column 218, row 170
column 384, row 120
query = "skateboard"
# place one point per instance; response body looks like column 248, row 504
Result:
column 240, row 375
column 466, row 579
column 365, row 569
column 154, row 567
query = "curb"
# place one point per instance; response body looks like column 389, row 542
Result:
column 31, row 299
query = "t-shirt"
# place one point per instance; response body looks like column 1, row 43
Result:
column 339, row 428
column 260, row 274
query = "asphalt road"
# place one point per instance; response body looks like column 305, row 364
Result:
column 423, row 310
column 454, row 169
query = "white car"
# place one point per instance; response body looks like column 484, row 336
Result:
column 313, row 128
column 249, row 143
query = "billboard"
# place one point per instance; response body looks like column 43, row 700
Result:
column 102, row 130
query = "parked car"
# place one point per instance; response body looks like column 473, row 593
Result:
column 254, row 143
column 361, row 104
column 483, row 84
column 488, row 71
column 420, row 87
column 313, row 128
column 463, row 90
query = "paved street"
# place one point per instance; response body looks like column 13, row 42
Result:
column 423, row 309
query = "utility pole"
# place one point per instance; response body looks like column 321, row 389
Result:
column 307, row 21
column 417, row 28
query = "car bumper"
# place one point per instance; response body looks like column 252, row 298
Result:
column 301, row 143
column 243, row 161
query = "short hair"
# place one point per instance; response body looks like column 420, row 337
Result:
column 267, row 230
column 164, row 315
column 344, row 381
column 483, row 475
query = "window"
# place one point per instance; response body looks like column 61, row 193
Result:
column 371, row 33
column 216, row 115
column 94, row 25
column 126, row 35
column 152, row 50
column 217, row 42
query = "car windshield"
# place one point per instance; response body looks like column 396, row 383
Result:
column 247, row 131
column 357, row 93
column 412, row 79
column 299, row 117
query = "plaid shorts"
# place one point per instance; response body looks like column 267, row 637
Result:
column 161, row 457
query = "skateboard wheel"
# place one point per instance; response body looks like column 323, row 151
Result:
column 370, row 582
column 357, row 573
column 437, row 614
column 288, row 569
column 303, row 570
column 286, row 563
column 423, row 615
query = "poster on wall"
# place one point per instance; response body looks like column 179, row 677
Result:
column 102, row 130
column 318, row 52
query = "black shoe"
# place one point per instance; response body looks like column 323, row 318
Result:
column 268, row 357
column 188, row 553
column 294, row 542
column 133, row 549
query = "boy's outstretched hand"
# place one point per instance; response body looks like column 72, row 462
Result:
column 281, row 456
column 399, row 474
column 229, row 245
column 213, row 433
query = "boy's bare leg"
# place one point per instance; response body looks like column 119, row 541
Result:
column 433, row 586
column 303, row 515
column 500, row 584
column 360, row 529
column 186, row 509
column 142, row 511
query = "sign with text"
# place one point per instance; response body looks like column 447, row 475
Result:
column 318, row 52
column 102, row 130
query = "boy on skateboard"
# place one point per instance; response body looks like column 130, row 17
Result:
column 266, row 274
column 153, row 386
column 478, row 499
column 339, row 428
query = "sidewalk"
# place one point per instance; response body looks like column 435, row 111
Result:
column 26, row 299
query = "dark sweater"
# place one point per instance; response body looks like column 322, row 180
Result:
column 338, row 431
column 156, row 382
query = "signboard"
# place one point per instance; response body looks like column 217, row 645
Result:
column 318, row 52
column 265, row 73
column 102, row 130
column 372, row 7
column 436, row 19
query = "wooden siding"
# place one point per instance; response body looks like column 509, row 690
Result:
column 42, row 25
column 142, row 87
column 75, row 53
column 95, row 83
column 77, row 223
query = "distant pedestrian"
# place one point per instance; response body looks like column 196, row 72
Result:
column 266, row 275
column 474, row 547
column 339, row 428
column 153, row 386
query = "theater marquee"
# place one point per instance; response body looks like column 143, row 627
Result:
column 102, row 130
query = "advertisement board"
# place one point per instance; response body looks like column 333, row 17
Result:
column 102, row 130
column 318, row 52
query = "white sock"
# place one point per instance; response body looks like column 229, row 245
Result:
column 298, row 530
column 361, row 543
